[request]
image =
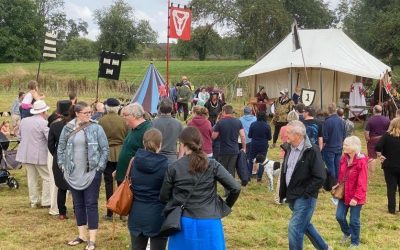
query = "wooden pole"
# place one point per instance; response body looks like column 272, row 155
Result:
column 320, row 83
column 38, row 70
column 291, row 80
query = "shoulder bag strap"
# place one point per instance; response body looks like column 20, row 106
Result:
column 128, row 171
column 78, row 129
column 191, row 191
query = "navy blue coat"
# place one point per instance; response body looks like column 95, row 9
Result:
column 147, row 175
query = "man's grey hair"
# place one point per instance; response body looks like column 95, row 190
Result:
column 135, row 109
column 297, row 127
column 377, row 110
column 112, row 109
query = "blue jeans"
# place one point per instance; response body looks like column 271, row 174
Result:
column 354, row 228
column 300, row 224
column 86, row 204
column 332, row 161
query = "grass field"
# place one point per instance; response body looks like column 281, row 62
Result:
column 255, row 223
column 60, row 76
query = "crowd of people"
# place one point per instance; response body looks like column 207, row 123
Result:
column 170, row 161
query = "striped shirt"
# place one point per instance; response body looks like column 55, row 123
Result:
column 292, row 160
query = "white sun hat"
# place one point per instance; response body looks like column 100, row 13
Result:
column 39, row 107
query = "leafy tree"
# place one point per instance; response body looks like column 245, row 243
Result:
column 261, row 24
column 310, row 14
column 119, row 31
column 21, row 30
column 374, row 25
column 204, row 41
column 79, row 48
column 183, row 49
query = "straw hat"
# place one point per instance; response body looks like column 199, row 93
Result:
column 39, row 107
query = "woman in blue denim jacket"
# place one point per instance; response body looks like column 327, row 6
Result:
column 82, row 156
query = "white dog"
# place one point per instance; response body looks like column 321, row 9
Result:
column 271, row 169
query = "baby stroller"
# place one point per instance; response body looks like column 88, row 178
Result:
column 8, row 162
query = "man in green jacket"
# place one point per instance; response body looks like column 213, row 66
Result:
column 184, row 95
column 134, row 118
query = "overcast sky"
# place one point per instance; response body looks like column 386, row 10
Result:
column 153, row 10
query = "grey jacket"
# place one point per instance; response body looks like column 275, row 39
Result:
column 204, row 202
column 97, row 147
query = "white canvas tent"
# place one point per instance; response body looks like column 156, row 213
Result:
column 332, row 60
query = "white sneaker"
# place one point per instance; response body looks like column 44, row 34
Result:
column 335, row 201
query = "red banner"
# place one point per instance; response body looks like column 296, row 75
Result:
column 180, row 21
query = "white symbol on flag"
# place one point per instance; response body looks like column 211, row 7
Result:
column 115, row 62
column 179, row 22
column 107, row 61
column 109, row 71
column 307, row 96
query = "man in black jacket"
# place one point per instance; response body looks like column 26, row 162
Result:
column 303, row 174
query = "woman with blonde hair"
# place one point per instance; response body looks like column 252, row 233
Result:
column 388, row 151
column 353, row 173
column 201, row 122
column 292, row 116
column 30, row 97
column 147, row 174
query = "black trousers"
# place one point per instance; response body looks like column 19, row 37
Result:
column 278, row 127
column 229, row 163
column 185, row 107
column 140, row 242
column 392, row 178
column 61, row 197
column 108, row 180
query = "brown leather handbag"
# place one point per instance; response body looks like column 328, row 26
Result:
column 338, row 191
column 121, row 200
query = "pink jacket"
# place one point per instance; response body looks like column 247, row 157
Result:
column 355, row 187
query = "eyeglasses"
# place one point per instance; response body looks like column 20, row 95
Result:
column 85, row 113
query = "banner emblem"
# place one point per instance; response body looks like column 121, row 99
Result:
column 180, row 23
column 307, row 96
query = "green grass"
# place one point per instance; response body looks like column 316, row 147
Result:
column 58, row 77
column 255, row 223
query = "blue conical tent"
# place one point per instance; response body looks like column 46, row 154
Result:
column 147, row 94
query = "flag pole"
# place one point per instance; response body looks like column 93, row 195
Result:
column 297, row 44
column 167, row 71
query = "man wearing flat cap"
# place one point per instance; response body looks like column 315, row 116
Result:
column 116, row 130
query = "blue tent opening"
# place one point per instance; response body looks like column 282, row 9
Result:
column 147, row 94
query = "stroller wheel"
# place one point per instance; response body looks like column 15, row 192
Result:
column 12, row 183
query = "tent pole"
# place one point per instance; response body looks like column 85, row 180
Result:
column 167, row 73
column 320, row 83
column 291, row 81
column 305, row 69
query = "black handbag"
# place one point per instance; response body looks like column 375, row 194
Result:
column 172, row 221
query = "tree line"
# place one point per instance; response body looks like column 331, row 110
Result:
column 249, row 28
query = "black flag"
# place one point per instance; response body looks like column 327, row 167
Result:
column 50, row 43
column 110, row 65
column 296, row 38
